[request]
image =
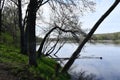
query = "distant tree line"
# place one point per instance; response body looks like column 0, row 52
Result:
column 107, row 36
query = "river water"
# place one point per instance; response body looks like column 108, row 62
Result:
column 106, row 69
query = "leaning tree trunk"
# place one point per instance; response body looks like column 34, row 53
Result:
column 31, row 21
column 76, row 53
column 43, row 41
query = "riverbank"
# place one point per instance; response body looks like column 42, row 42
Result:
column 108, row 41
column 16, row 65
column 107, row 38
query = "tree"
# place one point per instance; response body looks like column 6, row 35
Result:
column 78, row 50
column 22, row 35
column 64, row 27
column 10, row 22
column 31, row 22
column 27, row 29
column 66, row 22
column 1, row 8
column 32, row 9
column 18, row 3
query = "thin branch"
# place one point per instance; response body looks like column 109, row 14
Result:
column 44, row 2
column 76, row 37
column 43, row 41
column 47, row 43
column 53, row 48
column 59, row 47
column 3, row 4
column 15, row 2
column 72, row 31
column 40, row 3
column 25, row 18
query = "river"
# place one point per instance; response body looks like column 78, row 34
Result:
column 106, row 69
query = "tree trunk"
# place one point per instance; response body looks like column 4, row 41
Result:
column 0, row 18
column 75, row 54
column 22, row 39
column 31, row 21
column 0, row 21
column 26, row 41
column 43, row 41
column 1, row 8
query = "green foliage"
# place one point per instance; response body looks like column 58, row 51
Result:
column 6, row 38
column 18, row 65
column 46, row 69
column 9, row 54
column 108, row 36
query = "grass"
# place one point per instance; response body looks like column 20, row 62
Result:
column 18, row 65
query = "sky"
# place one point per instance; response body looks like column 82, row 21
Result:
column 110, row 24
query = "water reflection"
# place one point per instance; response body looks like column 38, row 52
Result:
column 107, row 68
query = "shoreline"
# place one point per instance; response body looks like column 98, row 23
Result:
column 108, row 41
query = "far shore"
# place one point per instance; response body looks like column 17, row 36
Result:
column 108, row 41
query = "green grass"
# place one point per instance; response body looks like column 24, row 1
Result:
column 18, row 65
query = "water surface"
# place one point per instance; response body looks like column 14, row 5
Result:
column 107, row 69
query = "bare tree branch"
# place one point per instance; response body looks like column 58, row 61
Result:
column 60, row 47
column 3, row 4
column 45, row 2
column 15, row 2
column 40, row 3
column 53, row 47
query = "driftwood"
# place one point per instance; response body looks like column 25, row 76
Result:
column 84, row 57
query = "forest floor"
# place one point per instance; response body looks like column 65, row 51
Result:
column 5, row 74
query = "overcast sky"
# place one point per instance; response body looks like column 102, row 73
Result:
column 110, row 24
